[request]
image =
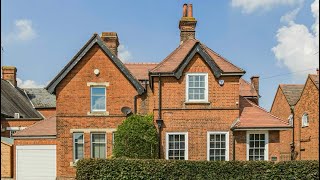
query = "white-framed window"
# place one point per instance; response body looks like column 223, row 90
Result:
column 290, row 120
column 98, row 99
column 217, row 146
column 305, row 120
column 197, row 87
column 98, row 145
column 78, row 146
column 13, row 130
column 257, row 145
column 177, row 145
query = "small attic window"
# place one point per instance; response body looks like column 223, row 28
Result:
column 305, row 120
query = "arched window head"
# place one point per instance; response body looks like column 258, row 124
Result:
column 305, row 120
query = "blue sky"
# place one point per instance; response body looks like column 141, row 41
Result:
column 275, row 39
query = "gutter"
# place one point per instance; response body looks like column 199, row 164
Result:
column 135, row 104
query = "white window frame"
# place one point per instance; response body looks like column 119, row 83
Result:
column 227, row 143
column 205, row 86
column 13, row 130
column 105, row 99
column 185, row 146
column 74, row 147
column 91, row 142
column 266, row 149
column 305, row 120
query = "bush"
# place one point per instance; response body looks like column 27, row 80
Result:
column 165, row 169
column 136, row 137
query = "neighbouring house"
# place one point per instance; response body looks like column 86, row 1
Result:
column 299, row 104
column 6, row 157
column 203, row 108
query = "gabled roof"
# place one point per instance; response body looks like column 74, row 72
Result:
column 255, row 117
column 42, row 128
column 176, row 62
column 315, row 79
column 41, row 98
column 247, row 89
column 140, row 70
column 292, row 92
column 95, row 39
column 14, row 100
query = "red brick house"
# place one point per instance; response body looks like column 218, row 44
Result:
column 204, row 109
column 299, row 104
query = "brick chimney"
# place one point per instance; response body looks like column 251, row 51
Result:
column 255, row 83
column 111, row 40
column 187, row 24
column 10, row 73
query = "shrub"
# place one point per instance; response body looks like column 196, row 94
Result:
column 170, row 169
column 136, row 137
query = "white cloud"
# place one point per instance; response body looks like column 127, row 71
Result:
column 249, row 6
column 28, row 84
column 290, row 16
column 22, row 31
column 124, row 54
column 298, row 46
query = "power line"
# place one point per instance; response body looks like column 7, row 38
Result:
column 287, row 73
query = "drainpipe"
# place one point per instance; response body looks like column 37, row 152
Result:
column 159, row 120
column 135, row 104
column 233, row 146
column 292, row 145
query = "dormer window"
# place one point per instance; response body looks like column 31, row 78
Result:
column 197, row 87
column 305, row 120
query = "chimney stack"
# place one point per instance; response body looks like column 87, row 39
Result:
column 111, row 40
column 255, row 83
column 187, row 24
column 9, row 73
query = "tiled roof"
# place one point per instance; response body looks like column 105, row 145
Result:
column 255, row 117
column 14, row 100
column 41, row 98
column 292, row 92
column 172, row 62
column 315, row 79
column 140, row 70
column 45, row 127
column 247, row 89
column 8, row 141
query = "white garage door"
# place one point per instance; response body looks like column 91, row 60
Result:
column 36, row 162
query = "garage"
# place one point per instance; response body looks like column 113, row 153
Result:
column 36, row 162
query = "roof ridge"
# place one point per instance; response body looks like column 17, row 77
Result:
column 141, row 63
column 173, row 52
column 266, row 111
column 222, row 57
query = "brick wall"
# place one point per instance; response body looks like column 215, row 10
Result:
column 6, row 160
column 47, row 112
column 73, row 105
column 281, row 109
column 307, row 138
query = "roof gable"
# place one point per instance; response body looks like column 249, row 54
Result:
column 291, row 92
column 95, row 39
column 247, row 89
column 177, row 61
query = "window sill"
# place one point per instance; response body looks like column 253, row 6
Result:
column 197, row 102
column 73, row 164
column 102, row 113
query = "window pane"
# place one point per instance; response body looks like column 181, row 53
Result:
column 217, row 147
column 78, row 151
column 176, row 147
column 78, row 145
column 78, row 137
column 257, row 146
column 98, row 138
column 98, row 91
column 98, row 146
column 98, row 103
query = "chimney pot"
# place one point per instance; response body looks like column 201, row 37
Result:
column 184, row 10
column 190, row 10
column 9, row 73
column 111, row 40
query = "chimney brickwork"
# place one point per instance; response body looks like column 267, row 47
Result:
column 187, row 24
column 111, row 40
column 255, row 83
column 9, row 73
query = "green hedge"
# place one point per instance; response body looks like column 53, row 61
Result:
column 164, row 169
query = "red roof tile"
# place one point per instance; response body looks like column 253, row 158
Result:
column 253, row 116
column 172, row 62
column 45, row 127
column 140, row 70
column 292, row 92
column 246, row 89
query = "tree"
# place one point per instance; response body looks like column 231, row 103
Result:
column 136, row 138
